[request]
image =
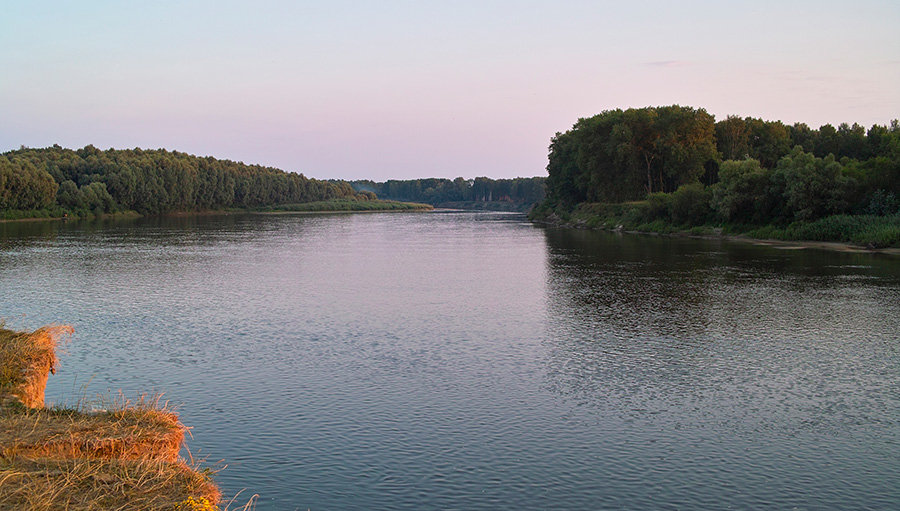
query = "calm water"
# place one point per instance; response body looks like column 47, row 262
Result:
column 473, row 361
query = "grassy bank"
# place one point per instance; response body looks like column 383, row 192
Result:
column 122, row 457
column 337, row 205
column 17, row 215
column 29, row 214
column 870, row 231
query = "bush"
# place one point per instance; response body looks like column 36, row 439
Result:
column 869, row 230
column 883, row 203
column 658, row 206
column 745, row 192
column 814, row 187
column 659, row 226
column 690, row 204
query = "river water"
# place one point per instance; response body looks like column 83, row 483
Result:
column 457, row 360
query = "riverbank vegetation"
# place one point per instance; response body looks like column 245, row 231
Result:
column 52, row 182
column 122, row 457
column 669, row 169
column 517, row 194
column 338, row 205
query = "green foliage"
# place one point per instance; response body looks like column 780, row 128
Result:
column 621, row 155
column 814, row 187
column 18, row 214
column 768, row 140
column 350, row 205
column 733, row 138
column 883, row 203
column 659, row 226
column 702, row 230
column 872, row 231
column 24, row 186
column 521, row 191
column 690, row 204
column 869, row 230
column 878, row 235
column 91, row 181
column 90, row 197
column 753, row 176
column 745, row 192
column 658, row 206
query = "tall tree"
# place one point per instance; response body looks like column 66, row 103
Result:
column 732, row 138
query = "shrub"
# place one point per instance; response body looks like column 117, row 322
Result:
column 690, row 204
column 658, row 206
column 745, row 192
column 883, row 203
column 814, row 187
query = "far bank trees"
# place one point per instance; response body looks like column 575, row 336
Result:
column 736, row 170
column 89, row 180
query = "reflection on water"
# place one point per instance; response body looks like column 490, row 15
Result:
column 473, row 361
column 769, row 375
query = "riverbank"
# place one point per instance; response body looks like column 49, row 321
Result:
column 859, row 233
column 332, row 206
column 124, row 456
column 504, row 206
column 339, row 206
column 64, row 216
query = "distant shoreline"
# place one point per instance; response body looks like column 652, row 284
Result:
column 341, row 211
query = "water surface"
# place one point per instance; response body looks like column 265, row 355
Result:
column 474, row 361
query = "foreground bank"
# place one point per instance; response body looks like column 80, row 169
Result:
column 122, row 457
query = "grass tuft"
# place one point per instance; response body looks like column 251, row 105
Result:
column 26, row 360
column 143, row 430
column 122, row 457
column 91, row 484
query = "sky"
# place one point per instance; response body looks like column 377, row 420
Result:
column 406, row 89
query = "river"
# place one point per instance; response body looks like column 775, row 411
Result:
column 460, row 360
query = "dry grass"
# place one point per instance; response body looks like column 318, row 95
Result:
column 125, row 457
column 142, row 431
column 26, row 359
column 82, row 485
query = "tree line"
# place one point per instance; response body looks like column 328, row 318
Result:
column 523, row 191
column 89, row 180
column 737, row 170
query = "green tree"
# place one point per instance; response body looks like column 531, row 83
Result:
column 745, row 192
column 814, row 187
column 733, row 138
column 768, row 141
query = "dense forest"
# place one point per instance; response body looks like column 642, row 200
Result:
column 679, row 165
column 521, row 191
column 55, row 180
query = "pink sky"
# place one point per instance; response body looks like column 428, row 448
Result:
column 416, row 89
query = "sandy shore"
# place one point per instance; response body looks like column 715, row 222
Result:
column 783, row 245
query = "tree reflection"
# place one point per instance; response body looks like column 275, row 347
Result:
column 680, row 331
